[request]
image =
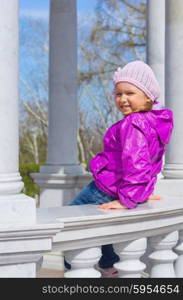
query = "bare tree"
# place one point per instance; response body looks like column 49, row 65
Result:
column 115, row 36
column 33, row 89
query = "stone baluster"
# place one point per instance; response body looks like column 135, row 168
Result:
column 82, row 262
column 130, row 253
column 163, row 257
column 179, row 262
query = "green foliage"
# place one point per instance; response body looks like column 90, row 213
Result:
column 27, row 154
column 30, row 188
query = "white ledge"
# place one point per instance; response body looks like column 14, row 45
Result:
column 87, row 226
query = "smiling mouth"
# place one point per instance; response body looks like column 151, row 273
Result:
column 124, row 106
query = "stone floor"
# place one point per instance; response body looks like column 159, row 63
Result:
column 47, row 273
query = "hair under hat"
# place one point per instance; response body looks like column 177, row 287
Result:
column 141, row 75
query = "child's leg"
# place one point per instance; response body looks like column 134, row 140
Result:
column 109, row 257
column 88, row 195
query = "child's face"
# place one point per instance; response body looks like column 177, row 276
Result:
column 129, row 98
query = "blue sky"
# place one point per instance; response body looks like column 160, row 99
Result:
column 43, row 5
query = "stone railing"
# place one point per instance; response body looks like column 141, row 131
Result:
column 22, row 246
column 148, row 238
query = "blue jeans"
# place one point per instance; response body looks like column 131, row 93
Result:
column 92, row 195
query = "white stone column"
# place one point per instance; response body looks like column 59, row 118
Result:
column 15, row 207
column 174, row 88
column 62, row 176
column 179, row 261
column 163, row 257
column 130, row 253
column 156, row 40
column 82, row 262
column 63, row 117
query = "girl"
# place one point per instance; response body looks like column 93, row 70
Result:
column 125, row 172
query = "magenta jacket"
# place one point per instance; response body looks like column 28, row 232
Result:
column 133, row 150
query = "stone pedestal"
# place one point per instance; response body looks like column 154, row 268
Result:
column 58, row 189
column 169, row 187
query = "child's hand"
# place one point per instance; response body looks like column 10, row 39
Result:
column 153, row 197
column 116, row 204
column 112, row 205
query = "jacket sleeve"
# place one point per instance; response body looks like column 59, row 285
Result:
column 136, row 167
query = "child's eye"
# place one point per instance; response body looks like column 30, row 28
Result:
column 118, row 94
column 130, row 93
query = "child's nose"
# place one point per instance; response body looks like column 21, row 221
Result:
column 123, row 98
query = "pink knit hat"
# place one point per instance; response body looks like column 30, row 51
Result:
column 141, row 75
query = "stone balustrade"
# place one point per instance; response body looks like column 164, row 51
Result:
column 22, row 247
column 148, row 238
